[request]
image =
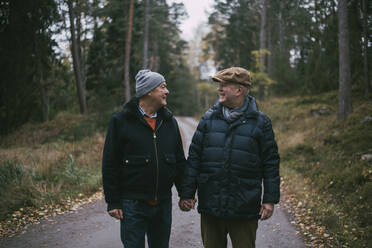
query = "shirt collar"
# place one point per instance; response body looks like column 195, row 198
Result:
column 144, row 113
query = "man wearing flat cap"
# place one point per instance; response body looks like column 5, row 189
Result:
column 142, row 159
column 233, row 165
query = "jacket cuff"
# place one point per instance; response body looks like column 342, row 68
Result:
column 271, row 198
column 186, row 196
column 111, row 206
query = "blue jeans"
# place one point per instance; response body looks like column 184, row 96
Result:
column 140, row 219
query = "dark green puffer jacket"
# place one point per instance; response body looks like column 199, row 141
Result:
column 229, row 162
column 137, row 162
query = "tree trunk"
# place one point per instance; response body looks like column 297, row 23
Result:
column 80, row 53
column 80, row 50
column 270, row 47
column 95, row 22
column 261, row 88
column 281, row 31
column 154, row 61
column 146, row 35
column 263, row 30
column 77, row 61
column 365, row 49
column 127, row 52
column 45, row 103
column 44, row 95
column 344, row 98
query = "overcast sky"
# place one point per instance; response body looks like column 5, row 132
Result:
column 196, row 10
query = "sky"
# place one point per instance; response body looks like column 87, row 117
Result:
column 196, row 10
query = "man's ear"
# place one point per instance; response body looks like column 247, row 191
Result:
column 240, row 90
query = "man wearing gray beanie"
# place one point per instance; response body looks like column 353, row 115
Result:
column 146, row 81
column 142, row 158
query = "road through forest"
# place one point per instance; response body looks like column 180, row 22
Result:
column 91, row 226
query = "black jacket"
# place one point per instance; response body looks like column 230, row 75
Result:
column 139, row 163
column 228, row 162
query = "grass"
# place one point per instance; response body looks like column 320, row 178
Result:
column 321, row 163
column 42, row 164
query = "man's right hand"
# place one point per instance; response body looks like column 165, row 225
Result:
column 186, row 204
column 116, row 213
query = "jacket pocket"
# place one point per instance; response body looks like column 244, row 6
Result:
column 170, row 158
column 171, row 167
column 207, row 195
column 136, row 171
column 248, row 194
column 136, row 160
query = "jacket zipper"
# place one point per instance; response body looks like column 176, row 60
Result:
column 157, row 163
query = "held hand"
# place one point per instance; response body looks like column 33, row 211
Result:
column 189, row 204
column 186, row 204
column 183, row 205
column 116, row 213
column 266, row 210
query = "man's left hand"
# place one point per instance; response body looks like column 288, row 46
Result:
column 186, row 204
column 266, row 210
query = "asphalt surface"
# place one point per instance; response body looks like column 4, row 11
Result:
column 91, row 226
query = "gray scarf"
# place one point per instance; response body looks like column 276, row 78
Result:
column 232, row 115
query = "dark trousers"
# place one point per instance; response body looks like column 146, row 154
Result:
column 214, row 232
column 140, row 219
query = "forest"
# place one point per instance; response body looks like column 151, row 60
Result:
column 81, row 56
column 67, row 65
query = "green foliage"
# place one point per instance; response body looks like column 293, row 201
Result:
column 35, row 178
column 182, row 97
column 259, row 57
column 302, row 38
column 37, row 88
column 26, row 26
column 325, row 155
column 207, row 95
column 22, row 187
column 16, row 189
column 10, row 172
column 166, row 49
column 234, row 27
column 55, row 161
column 67, row 128
column 259, row 77
column 72, row 175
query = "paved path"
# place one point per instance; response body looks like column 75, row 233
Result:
column 90, row 226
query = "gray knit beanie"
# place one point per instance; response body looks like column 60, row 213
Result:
column 146, row 81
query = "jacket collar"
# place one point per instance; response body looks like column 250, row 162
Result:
column 251, row 111
column 130, row 109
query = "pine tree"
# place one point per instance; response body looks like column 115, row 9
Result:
column 146, row 35
column 128, row 42
column 76, row 55
column 344, row 105
column 25, row 31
